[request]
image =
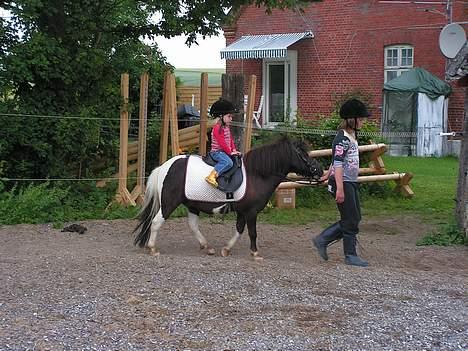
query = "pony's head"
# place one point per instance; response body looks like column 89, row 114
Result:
column 302, row 163
column 281, row 157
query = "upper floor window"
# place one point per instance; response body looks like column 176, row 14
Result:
column 398, row 59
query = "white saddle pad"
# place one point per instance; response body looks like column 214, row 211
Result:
column 198, row 189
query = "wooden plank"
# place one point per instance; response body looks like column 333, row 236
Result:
column 461, row 208
column 185, row 93
column 123, row 151
column 377, row 161
column 133, row 147
column 249, row 114
column 403, row 185
column 132, row 168
column 203, row 114
column 189, row 130
column 173, row 117
column 141, row 158
column 189, row 142
column 125, row 198
column 362, row 149
column 194, row 134
column 233, row 90
column 361, row 179
column 132, row 157
column 164, row 138
column 363, row 170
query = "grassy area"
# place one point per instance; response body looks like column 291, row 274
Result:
column 191, row 76
column 434, row 185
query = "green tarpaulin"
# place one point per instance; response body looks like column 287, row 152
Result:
column 418, row 80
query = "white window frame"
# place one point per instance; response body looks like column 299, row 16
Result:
column 399, row 68
column 290, row 77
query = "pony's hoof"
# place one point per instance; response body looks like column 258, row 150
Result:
column 225, row 252
column 210, row 251
column 256, row 256
column 154, row 252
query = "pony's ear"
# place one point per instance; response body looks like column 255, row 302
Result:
column 301, row 144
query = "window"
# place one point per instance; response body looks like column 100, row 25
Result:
column 398, row 59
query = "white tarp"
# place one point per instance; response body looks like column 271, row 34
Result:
column 432, row 120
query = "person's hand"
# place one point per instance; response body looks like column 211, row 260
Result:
column 339, row 197
column 323, row 178
column 235, row 153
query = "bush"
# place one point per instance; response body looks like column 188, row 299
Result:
column 32, row 204
column 448, row 235
column 45, row 203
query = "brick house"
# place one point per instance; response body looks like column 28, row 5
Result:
column 339, row 47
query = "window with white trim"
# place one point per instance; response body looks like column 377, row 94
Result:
column 398, row 59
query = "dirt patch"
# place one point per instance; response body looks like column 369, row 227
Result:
column 96, row 291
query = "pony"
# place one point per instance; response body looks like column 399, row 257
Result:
column 265, row 168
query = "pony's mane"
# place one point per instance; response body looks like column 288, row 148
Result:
column 270, row 159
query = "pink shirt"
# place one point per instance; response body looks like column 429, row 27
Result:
column 221, row 139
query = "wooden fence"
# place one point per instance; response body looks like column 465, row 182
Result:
column 185, row 94
column 376, row 172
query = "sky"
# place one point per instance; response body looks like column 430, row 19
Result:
column 204, row 55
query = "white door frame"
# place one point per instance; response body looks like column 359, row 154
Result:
column 290, row 85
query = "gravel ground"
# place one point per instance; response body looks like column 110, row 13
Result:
column 96, row 291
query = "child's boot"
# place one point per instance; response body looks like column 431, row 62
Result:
column 211, row 178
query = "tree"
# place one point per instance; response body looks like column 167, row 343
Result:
column 65, row 57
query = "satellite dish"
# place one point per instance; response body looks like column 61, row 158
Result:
column 451, row 39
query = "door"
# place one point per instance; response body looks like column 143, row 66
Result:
column 279, row 86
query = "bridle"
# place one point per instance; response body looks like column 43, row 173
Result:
column 314, row 178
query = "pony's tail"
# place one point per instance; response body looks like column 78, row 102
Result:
column 148, row 211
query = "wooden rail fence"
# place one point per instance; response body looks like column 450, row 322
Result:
column 376, row 172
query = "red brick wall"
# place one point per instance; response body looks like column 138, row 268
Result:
column 347, row 52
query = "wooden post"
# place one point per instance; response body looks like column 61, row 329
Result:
column 139, row 190
column 123, row 196
column 403, row 185
column 164, row 138
column 376, row 160
column 249, row 115
column 203, row 113
column 233, row 90
column 461, row 210
column 173, row 117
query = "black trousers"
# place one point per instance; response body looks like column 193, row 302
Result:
column 350, row 209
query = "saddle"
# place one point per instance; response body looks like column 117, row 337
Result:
column 196, row 188
column 231, row 180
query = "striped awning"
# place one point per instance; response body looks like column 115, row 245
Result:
column 262, row 46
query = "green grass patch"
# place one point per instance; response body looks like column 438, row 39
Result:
column 434, row 185
column 192, row 76
column 447, row 235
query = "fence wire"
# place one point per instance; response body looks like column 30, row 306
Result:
column 133, row 133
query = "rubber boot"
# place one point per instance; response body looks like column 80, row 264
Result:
column 351, row 257
column 211, row 178
column 329, row 235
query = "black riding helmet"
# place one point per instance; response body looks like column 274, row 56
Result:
column 353, row 108
column 222, row 107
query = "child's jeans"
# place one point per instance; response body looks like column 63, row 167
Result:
column 223, row 161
